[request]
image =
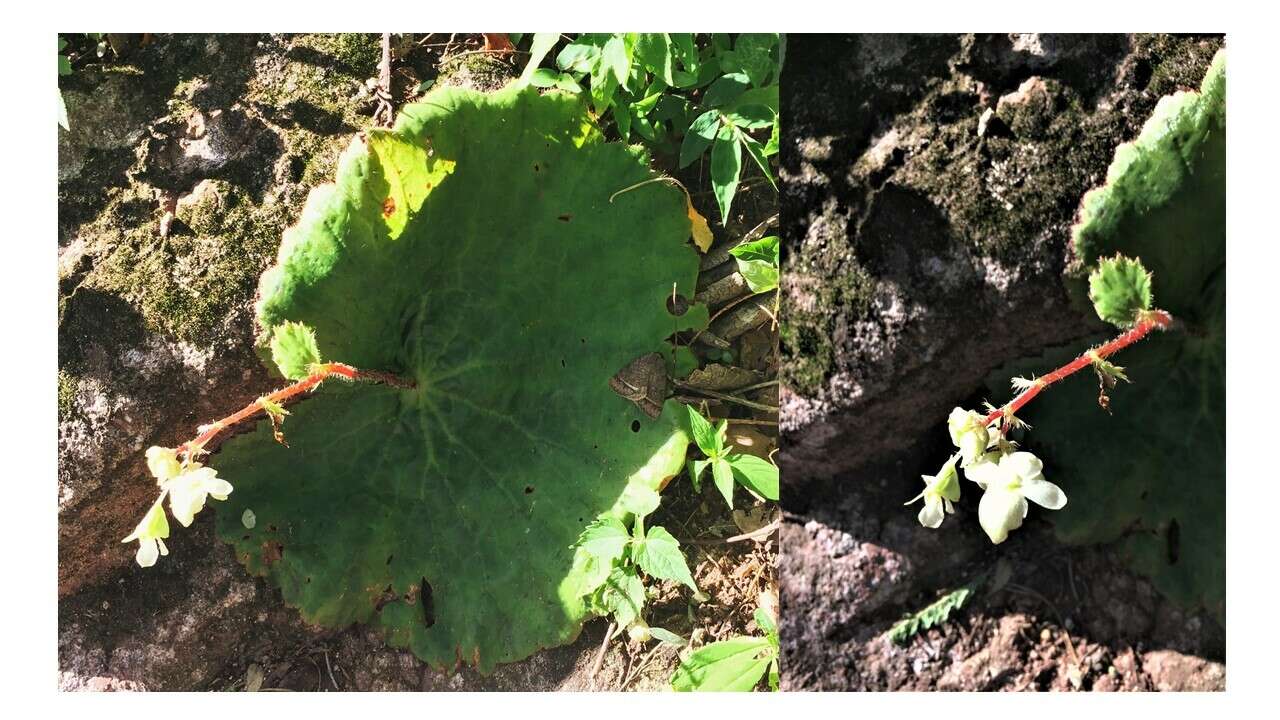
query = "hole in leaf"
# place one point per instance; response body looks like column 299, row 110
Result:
column 428, row 604
column 1173, row 541
column 565, row 217
column 388, row 207
column 389, row 559
column 528, row 489
column 635, row 426
column 677, row 305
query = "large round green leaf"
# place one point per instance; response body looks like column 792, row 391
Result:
column 474, row 249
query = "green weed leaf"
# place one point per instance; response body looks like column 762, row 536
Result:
column 699, row 137
column 658, row 554
column 605, row 539
column 758, row 262
column 734, row 665
column 622, row 595
column 757, row 474
column 722, row 473
column 934, row 614
column 726, row 166
column 542, row 44
column 725, row 90
column 704, row 433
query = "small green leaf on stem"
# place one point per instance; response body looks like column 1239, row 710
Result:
column 294, row 350
column 758, row 263
column 604, row 540
column 722, row 473
column 1120, row 289
column 658, row 554
column 756, row 474
column 726, row 167
column 542, row 44
column 702, row 131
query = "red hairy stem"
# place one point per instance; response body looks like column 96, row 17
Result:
column 1149, row 320
column 310, row 382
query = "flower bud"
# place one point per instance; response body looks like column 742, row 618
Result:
column 969, row 433
column 163, row 463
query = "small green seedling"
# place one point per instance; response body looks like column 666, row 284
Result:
column 681, row 93
column 734, row 665
column 932, row 615
column 619, row 556
column 757, row 475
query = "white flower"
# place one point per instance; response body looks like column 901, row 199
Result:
column 1010, row 481
column 150, row 535
column 969, row 433
column 188, row 492
column 939, row 492
column 163, row 463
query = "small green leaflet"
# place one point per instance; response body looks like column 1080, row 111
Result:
column 699, row 137
column 756, row 474
column 653, row 52
column 542, row 44
column 1120, row 289
column 722, row 473
column 766, row 623
column 935, row 614
column 695, row 468
column 604, row 540
column 622, row 595
column 658, row 554
column 726, row 167
column 294, row 350
column 725, row 90
column 668, row 637
column 710, row 440
column 758, row 262
column 734, row 665
column 639, row 500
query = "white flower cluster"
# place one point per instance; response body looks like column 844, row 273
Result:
column 1008, row 478
column 188, row 485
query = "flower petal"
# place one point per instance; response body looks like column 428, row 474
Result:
column 1022, row 464
column 1000, row 511
column 985, row 472
column 147, row 553
column 163, row 463
column 185, row 500
column 1045, row 494
column 931, row 514
column 219, row 489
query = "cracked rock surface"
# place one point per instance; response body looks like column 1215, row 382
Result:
column 928, row 188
